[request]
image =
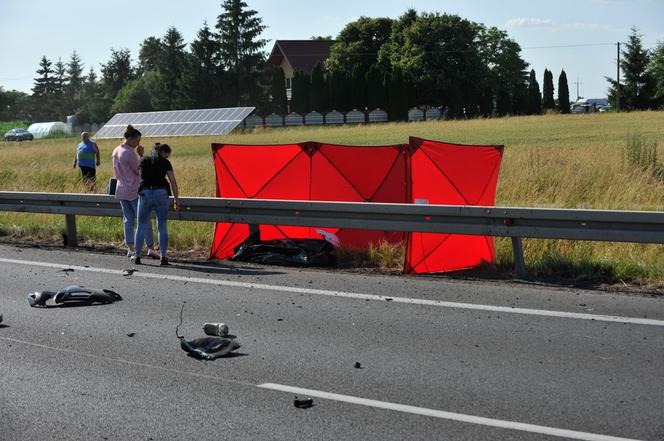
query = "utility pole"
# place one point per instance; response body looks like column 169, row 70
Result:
column 577, row 82
column 618, row 79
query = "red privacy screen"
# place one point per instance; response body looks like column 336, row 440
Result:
column 446, row 174
column 451, row 174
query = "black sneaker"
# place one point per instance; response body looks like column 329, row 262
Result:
column 136, row 260
column 163, row 261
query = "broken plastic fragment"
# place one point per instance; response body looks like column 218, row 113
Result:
column 209, row 348
column 73, row 295
column 303, row 403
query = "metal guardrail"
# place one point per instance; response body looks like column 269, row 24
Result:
column 541, row 223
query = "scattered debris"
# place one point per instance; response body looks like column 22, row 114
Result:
column 358, row 365
column 218, row 329
column 128, row 272
column 208, row 348
column 304, row 403
column 131, row 334
column 73, row 295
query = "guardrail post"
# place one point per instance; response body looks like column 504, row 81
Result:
column 71, row 240
column 255, row 229
column 519, row 262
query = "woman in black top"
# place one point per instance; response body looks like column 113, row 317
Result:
column 153, row 195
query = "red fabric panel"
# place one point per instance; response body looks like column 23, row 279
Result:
column 451, row 174
column 226, row 237
column 364, row 167
column 472, row 169
column 254, row 166
column 364, row 173
column 429, row 253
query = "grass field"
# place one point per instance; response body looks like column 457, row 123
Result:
column 567, row 161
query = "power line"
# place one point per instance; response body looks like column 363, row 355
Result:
column 568, row 46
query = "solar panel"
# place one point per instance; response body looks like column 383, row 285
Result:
column 176, row 122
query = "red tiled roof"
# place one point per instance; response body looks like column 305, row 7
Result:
column 301, row 54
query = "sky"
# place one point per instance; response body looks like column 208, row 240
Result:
column 578, row 36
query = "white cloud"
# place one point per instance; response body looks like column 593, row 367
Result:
column 547, row 23
column 531, row 22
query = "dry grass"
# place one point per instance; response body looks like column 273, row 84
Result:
column 567, row 161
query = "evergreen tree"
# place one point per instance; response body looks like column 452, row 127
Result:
column 376, row 92
column 521, row 99
column 318, row 98
column 117, row 72
column 75, row 77
column 278, row 92
column 358, row 88
column 656, row 71
column 547, row 92
column 503, row 101
column 172, row 71
column 300, row 93
column 60, row 101
column 397, row 107
column 94, row 108
column 44, row 84
column 150, row 56
column 534, row 96
column 339, row 87
column 203, row 76
column 638, row 86
column 241, row 50
column 43, row 92
column 563, row 93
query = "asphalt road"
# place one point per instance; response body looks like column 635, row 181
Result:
column 440, row 359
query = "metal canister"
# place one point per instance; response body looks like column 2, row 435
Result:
column 219, row 329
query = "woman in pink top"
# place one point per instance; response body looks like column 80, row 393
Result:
column 125, row 168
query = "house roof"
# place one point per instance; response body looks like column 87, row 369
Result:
column 302, row 55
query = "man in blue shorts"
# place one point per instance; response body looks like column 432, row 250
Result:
column 87, row 158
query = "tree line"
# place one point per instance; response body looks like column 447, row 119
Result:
column 417, row 60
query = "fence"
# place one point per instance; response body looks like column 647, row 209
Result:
column 334, row 117
column 516, row 223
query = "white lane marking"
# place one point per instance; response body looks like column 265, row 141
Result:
column 472, row 419
column 127, row 362
column 345, row 398
column 351, row 295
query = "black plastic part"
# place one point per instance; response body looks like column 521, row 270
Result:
column 303, row 403
column 209, row 348
column 74, row 295
column 293, row 252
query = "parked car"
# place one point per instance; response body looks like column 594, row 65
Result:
column 18, row 135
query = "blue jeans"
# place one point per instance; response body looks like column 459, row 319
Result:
column 156, row 200
column 129, row 209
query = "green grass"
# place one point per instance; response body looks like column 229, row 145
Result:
column 601, row 161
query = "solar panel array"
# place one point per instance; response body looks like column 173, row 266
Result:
column 176, row 122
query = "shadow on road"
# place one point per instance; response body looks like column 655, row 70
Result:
column 220, row 268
